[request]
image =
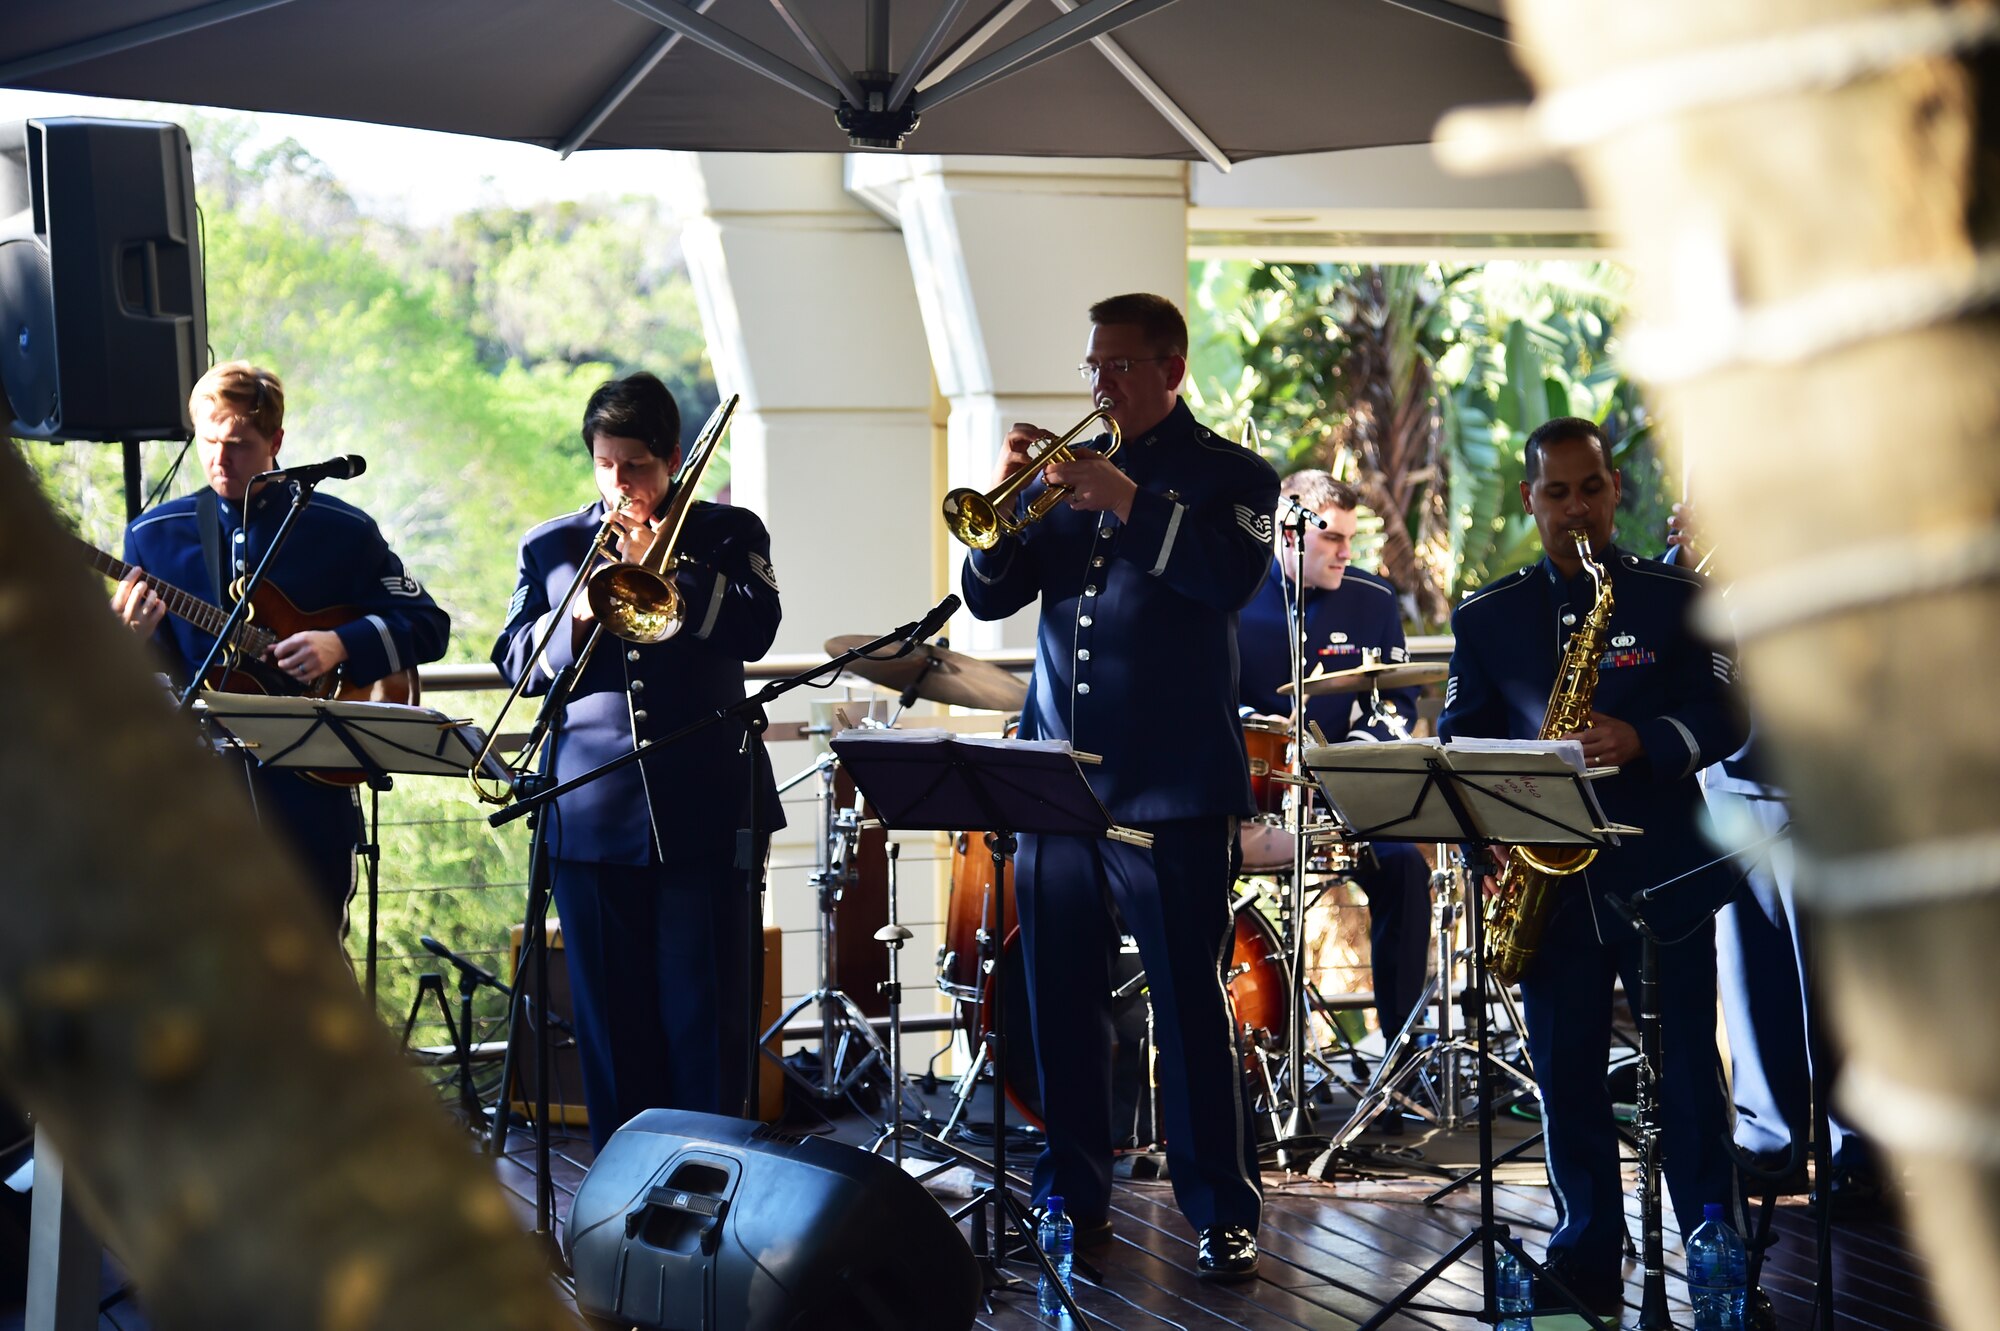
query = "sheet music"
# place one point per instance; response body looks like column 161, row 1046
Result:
column 933, row 734
column 1516, row 790
column 285, row 732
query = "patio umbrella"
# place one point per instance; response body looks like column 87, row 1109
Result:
column 1224, row 80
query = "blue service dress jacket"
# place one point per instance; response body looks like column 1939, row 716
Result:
column 1675, row 688
column 685, row 802
column 334, row 557
column 1362, row 614
column 1135, row 656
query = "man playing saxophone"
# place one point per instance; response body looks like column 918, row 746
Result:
column 1663, row 707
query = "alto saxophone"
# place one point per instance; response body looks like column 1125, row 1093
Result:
column 1525, row 891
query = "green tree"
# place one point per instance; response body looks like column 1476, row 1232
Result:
column 1421, row 383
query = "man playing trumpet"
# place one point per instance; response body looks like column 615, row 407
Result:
column 1139, row 573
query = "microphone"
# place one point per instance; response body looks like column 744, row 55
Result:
column 478, row 973
column 909, row 695
column 333, row 469
column 930, row 623
column 1297, row 512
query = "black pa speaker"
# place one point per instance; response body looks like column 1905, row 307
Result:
column 694, row 1222
column 103, row 321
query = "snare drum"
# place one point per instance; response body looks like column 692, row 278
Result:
column 1268, row 744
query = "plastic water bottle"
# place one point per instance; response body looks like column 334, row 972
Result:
column 1718, row 1273
column 1513, row 1290
column 1057, row 1239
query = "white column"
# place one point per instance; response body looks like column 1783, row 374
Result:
column 1008, row 254
column 806, row 301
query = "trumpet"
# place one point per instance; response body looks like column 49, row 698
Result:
column 980, row 520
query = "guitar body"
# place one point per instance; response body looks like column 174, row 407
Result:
column 272, row 618
column 273, row 612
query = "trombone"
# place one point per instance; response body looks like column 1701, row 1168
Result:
column 980, row 520
column 634, row 601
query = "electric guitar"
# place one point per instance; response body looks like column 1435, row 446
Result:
column 271, row 619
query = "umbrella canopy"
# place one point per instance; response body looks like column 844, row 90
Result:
column 1226, row 80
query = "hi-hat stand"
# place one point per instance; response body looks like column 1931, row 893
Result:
column 842, row 1022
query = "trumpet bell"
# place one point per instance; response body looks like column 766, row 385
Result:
column 635, row 603
column 972, row 518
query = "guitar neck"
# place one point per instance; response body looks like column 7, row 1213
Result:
column 248, row 639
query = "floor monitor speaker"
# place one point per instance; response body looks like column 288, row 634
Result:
column 689, row 1222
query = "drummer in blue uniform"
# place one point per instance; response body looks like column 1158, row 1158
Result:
column 1349, row 615
column 1664, row 707
column 1139, row 575
column 333, row 559
column 647, row 875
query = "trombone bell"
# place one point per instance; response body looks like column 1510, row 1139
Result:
column 635, row 603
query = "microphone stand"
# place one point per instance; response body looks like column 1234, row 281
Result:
column 1299, row 1011
column 750, row 714
column 239, row 613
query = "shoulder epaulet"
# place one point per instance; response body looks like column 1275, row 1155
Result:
column 1518, row 578
column 1658, row 569
column 562, row 521
column 1374, row 582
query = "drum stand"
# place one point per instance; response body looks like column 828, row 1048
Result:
column 841, row 1021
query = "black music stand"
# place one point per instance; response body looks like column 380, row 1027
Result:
column 377, row 740
column 934, row 781
column 1490, row 793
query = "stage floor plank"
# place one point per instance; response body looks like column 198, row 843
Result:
column 1334, row 1253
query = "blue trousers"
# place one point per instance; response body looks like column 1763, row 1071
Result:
column 1567, row 994
column 1760, row 963
column 1399, row 929
column 659, row 980
column 1174, row 901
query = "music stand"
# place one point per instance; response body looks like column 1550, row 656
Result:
column 377, row 740
column 1483, row 793
column 932, row 780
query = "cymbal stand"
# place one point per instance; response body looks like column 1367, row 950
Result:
column 841, row 1019
column 1403, row 1064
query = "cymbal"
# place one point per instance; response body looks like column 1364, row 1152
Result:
column 1376, row 675
column 953, row 678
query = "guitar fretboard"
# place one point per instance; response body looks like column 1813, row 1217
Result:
column 250, row 640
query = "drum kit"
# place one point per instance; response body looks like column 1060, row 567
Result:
column 979, row 960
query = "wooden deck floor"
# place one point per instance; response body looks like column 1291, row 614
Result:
column 1334, row 1253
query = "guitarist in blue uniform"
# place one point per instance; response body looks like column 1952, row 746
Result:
column 648, row 879
column 1139, row 575
column 1664, row 707
column 1346, row 612
column 335, row 570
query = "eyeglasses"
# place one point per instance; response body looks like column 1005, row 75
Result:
column 1123, row 365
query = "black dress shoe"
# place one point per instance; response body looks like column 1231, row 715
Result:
column 1092, row 1233
column 1226, row 1252
column 1603, row 1292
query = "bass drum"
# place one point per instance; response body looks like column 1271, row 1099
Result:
column 1258, row 997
